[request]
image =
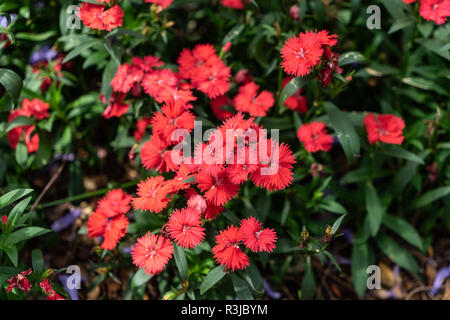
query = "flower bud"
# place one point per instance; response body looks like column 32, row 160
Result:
column 294, row 12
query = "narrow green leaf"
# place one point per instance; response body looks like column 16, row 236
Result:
column 308, row 281
column 252, row 275
column 21, row 153
column 344, row 131
column 397, row 253
column 12, row 196
column 11, row 82
column 360, row 262
column 241, row 288
column 350, row 57
column 404, row 230
column 291, row 88
column 25, row 234
column 431, row 196
column 140, row 278
column 12, row 253
column 180, row 261
column 17, row 211
column 212, row 278
column 337, row 224
column 37, row 259
column 374, row 209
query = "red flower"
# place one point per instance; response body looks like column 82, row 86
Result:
column 227, row 251
column 242, row 77
column 96, row 17
column 255, row 238
column 147, row 63
column 314, row 137
column 20, row 281
column 178, row 182
column 212, row 210
column 110, row 226
column 196, row 202
column 156, row 156
column 329, row 66
column 49, row 291
column 217, row 188
column 163, row 3
column 234, row 4
column 435, row 10
column 125, row 78
column 171, row 118
column 248, row 100
column 189, row 60
column 296, row 102
column 301, row 53
column 36, row 107
column 185, row 227
column 115, row 203
column 386, row 128
column 152, row 252
column 141, row 126
column 28, row 134
column 152, row 195
column 217, row 106
column 275, row 168
column 116, row 106
column 159, row 84
column 4, row 219
column 213, row 79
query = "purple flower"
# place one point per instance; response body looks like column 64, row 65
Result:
column 271, row 293
column 72, row 292
column 439, row 280
column 127, row 250
column 66, row 220
column 4, row 20
column 42, row 55
column 348, row 235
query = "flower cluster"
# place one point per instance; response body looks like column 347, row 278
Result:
column 109, row 220
column 311, row 50
column 30, row 108
column 250, row 234
column 20, row 281
column 51, row 294
column 97, row 16
column 433, row 10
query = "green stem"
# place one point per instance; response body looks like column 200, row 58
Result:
column 86, row 195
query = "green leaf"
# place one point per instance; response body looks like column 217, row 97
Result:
column 212, row 278
column 337, row 223
column 308, row 281
column 230, row 36
column 241, row 288
column 397, row 253
column 86, row 44
column 37, row 259
column 404, row 230
column 36, row 36
column 21, row 154
column 350, row 57
column 180, row 261
column 12, row 196
column 285, row 212
column 12, row 253
column 11, row 82
column 140, row 278
column 401, row 24
column 17, row 211
column 291, row 88
column 344, row 130
column 254, row 278
column 333, row 260
column 360, row 262
column 374, row 209
column 431, row 196
column 18, row 122
column 25, row 234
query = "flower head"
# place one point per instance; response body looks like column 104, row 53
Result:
column 96, row 17
column 386, row 128
column 227, row 251
column 152, row 252
column 20, row 281
column 152, row 195
column 185, row 227
column 255, row 237
column 248, row 100
column 314, row 137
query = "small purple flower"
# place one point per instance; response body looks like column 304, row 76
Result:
column 127, row 250
column 4, row 19
column 42, row 55
column 439, row 280
column 348, row 235
column 66, row 221
column 72, row 292
column 271, row 293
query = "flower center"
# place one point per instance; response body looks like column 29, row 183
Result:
column 300, row 53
